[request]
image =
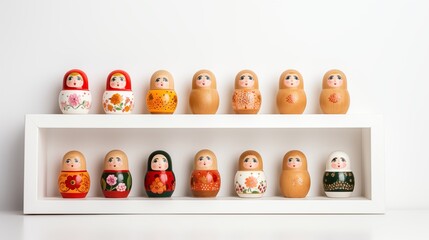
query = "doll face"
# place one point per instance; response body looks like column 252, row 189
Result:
column 74, row 80
column 294, row 162
column 291, row 81
column 335, row 80
column 246, row 81
column 114, row 162
column 250, row 162
column 159, row 163
column 72, row 164
column 118, row 81
column 162, row 82
column 204, row 161
column 203, row 81
column 338, row 163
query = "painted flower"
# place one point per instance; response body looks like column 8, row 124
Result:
column 121, row 187
column 291, row 98
column 126, row 108
column 334, row 98
column 157, row 186
column 251, row 182
column 111, row 179
column 74, row 99
column 63, row 104
column 116, row 99
column 110, row 107
column 73, row 182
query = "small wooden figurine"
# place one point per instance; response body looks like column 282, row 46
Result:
column 295, row 179
column 246, row 98
column 116, row 181
column 75, row 96
column 250, row 179
column 159, row 180
column 205, row 178
column 118, row 97
column 161, row 97
column 335, row 98
column 204, row 98
column 291, row 97
column 73, row 181
column 338, row 180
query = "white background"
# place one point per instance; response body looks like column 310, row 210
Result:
column 382, row 46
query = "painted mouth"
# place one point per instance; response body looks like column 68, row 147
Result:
column 293, row 165
column 74, row 84
column 71, row 165
column 291, row 84
column 117, row 85
column 114, row 165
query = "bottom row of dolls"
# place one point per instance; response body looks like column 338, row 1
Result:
column 250, row 181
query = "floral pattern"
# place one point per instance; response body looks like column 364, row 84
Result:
column 250, row 183
column 162, row 101
column 111, row 180
column 73, row 182
column 291, row 98
column 334, row 98
column 75, row 101
column 245, row 99
column 119, row 102
column 121, row 187
column 157, row 186
column 120, row 181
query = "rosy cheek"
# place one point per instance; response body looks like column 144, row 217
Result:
column 334, row 165
column 343, row 165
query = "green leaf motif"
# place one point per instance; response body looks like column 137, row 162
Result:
column 129, row 182
column 118, row 108
column 255, row 191
column 103, row 184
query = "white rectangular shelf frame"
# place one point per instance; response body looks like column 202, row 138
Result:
column 37, row 201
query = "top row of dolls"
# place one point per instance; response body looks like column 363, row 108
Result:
column 204, row 98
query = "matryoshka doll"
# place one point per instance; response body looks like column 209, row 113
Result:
column 159, row 180
column 295, row 180
column 204, row 98
column 205, row 179
column 118, row 97
column 250, row 179
column 291, row 98
column 247, row 98
column 338, row 180
column 116, row 181
column 73, row 181
column 75, row 96
column 335, row 98
column 161, row 97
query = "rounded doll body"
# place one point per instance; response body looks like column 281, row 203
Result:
column 116, row 181
column 204, row 98
column 205, row 178
column 338, row 180
column 118, row 97
column 159, row 180
column 295, row 180
column 73, row 181
column 291, row 98
column 161, row 97
column 335, row 98
column 250, row 179
column 75, row 97
column 246, row 98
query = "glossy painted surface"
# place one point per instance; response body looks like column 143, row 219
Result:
column 250, row 184
column 160, row 183
column 205, row 183
column 118, row 102
column 74, row 184
column 161, row 101
column 116, row 184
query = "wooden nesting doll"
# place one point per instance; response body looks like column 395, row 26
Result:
column 246, row 98
column 161, row 97
column 291, row 98
column 75, row 96
column 73, row 181
column 338, row 180
column 116, row 179
column 250, row 179
column 159, row 180
column 205, row 179
column 118, row 97
column 204, row 98
column 335, row 98
column 295, row 179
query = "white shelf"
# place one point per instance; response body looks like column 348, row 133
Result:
column 48, row 137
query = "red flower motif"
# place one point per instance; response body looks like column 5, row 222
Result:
column 73, row 182
column 334, row 98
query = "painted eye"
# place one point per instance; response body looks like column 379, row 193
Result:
column 165, row 79
column 246, row 160
column 200, row 77
column 250, row 78
column 331, row 77
column 290, row 160
column 296, row 77
column 76, row 160
column 339, row 77
column 242, row 77
column 70, row 78
column 158, row 79
column 208, row 78
column 113, row 79
column 155, row 160
column 118, row 159
column 343, row 160
column 334, row 160
column 208, row 158
column 122, row 79
column 68, row 161
column 288, row 77
column 297, row 160
column 201, row 158
column 110, row 159
column 254, row 160
column 78, row 78
column 164, row 160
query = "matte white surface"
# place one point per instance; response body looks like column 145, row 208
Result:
column 382, row 46
column 395, row 225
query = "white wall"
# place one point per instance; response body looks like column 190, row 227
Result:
column 382, row 46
